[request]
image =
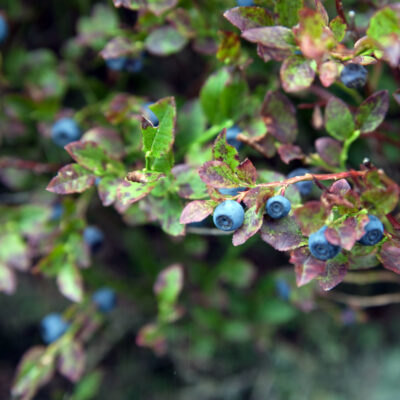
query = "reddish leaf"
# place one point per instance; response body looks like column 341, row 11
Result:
column 307, row 267
column 246, row 18
column 282, row 234
column 247, row 172
column 131, row 192
column 390, row 255
column 197, row 210
column 311, row 216
column 279, row 117
column 253, row 220
column 334, row 273
column 258, row 196
column 269, row 53
column 219, row 175
column 372, row 111
column 275, row 37
column 289, row 152
column 340, row 187
column 71, row 179
column 71, row 362
column 328, row 73
column 329, row 150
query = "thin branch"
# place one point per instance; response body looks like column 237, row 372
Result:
column 364, row 301
column 340, row 11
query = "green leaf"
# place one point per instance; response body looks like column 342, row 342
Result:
column 246, row 18
column 372, row 111
column 14, row 251
column 32, row 373
column 188, row 182
column 107, row 189
column 165, row 41
column 239, row 273
column 169, row 284
column 288, row 11
column 297, row 73
column 338, row 28
column 222, row 151
column 329, row 150
column 69, row 281
column 229, row 47
column 338, row 119
column 131, row 192
column 219, row 175
column 71, row 179
column 107, row 139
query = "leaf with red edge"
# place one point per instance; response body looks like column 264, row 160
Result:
column 108, row 139
column 253, row 220
column 311, row 216
column 297, row 73
column 389, row 255
column 335, row 271
column 328, row 72
column 340, row 187
column 279, row 116
column 197, row 210
column 269, row 53
column 289, row 152
column 338, row 119
column 275, row 37
column 329, row 150
column 219, row 175
column 247, row 172
column 71, row 361
column 258, row 196
column 222, row 151
column 348, row 232
column 306, row 267
column 282, row 234
column 372, row 111
column 246, row 18
column 71, row 178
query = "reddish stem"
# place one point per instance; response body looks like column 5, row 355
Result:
column 340, row 11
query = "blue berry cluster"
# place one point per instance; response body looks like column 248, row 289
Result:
column 132, row 65
column 105, row 299
column 321, row 249
column 231, row 191
column 354, row 76
column 52, row 327
column 245, row 3
column 65, row 131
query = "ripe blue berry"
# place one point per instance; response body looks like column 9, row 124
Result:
column 94, row 237
column 304, row 187
column 134, row 65
column 52, row 327
column 65, row 131
column 373, row 232
column 231, row 135
column 320, row 247
column 228, row 216
column 116, row 64
column 57, row 212
column 231, row 191
column 278, row 207
column 283, row 289
column 104, row 299
column 354, row 76
column 3, row 29
column 149, row 114
column 244, row 3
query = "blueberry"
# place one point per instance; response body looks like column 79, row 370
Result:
column 283, row 289
column 231, row 135
column 149, row 114
column 228, row 216
column 116, row 64
column 134, row 65
column 320, row 247
column 354, row 76
column 373, row 232
column 231, row 191
column 52, row 327
column 57, row 212
column 65, row 131
column 304, row 187
column 97, row 181
column 3, row 29
column 278, row 207
column 104, row 299
column 94, row 237
column 244, row 3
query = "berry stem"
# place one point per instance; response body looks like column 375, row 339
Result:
column 340, row 11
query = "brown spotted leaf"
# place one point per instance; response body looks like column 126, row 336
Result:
column 219, row 175
column 107, row 189
column 108, row 139
column 222, row 151
column 246, row 18
column 311, row 216
column 289, row 152
column 372, row 111
column 390, row 255
column 297, row 73
column 306, row 267
column 279, row 117
column 335, row 271
column 275, row 37
column 329, row 150
column 71, row 178
column 131, row 192
column 247, row 172
column 282, row 234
